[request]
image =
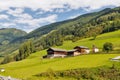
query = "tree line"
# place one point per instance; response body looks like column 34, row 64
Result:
column 25, row 50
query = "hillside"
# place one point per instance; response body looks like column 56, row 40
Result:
column 9, row 34
column 113, row 37
column 88, row 25
column 33, row 65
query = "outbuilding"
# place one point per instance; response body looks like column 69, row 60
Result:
column 95, row 49
column 73, row 52
column 82, row 49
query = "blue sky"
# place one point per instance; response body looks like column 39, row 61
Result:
column 32, row 14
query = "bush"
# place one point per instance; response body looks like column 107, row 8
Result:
column 107, row 47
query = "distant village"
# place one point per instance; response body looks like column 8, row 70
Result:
column 78, row 50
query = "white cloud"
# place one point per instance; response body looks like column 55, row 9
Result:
column 15, row 12
column 23, row 20
column 31, row 23
column 7, row 25
column 60, row 10
column 36, row 22
column 28, row 24
column 18, row 13
column 49, row 5
column 40, row 12
column 20, row 16
column 2, row 16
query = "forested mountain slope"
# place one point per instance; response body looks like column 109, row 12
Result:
column 9, row 34
column 87, row 25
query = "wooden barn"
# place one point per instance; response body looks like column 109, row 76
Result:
column 82, row 49
column 54, row 52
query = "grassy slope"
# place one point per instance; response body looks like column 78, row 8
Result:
column 113, row 37
column 34, row 64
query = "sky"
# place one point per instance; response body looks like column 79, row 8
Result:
column 28, row 15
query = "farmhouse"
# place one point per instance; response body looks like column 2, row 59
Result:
column 54, row 52
column 82, row 49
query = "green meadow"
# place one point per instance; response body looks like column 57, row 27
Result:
column 113, row 37
column 34, row 64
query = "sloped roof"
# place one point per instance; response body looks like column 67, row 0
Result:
column 56, row 49
column 83, row 47
column 72, row 50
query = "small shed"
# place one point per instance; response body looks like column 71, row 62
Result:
column 82, row 49
column 95, row 49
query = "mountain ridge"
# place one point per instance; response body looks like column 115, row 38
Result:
column 9, row 34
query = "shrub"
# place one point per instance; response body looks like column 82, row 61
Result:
column 107, row 47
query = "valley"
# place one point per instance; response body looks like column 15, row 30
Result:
column 34, row 64
column 21, row 53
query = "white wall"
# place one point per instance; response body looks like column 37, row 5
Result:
column 96, row 50
column 56, row 55
column 87, row 51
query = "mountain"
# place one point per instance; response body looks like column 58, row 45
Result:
column 6, row 36
column 87, row 25
column 9, row 34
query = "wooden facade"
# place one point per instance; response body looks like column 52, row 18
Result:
column 53, row 52
column 74, row 52
column 82, row 49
